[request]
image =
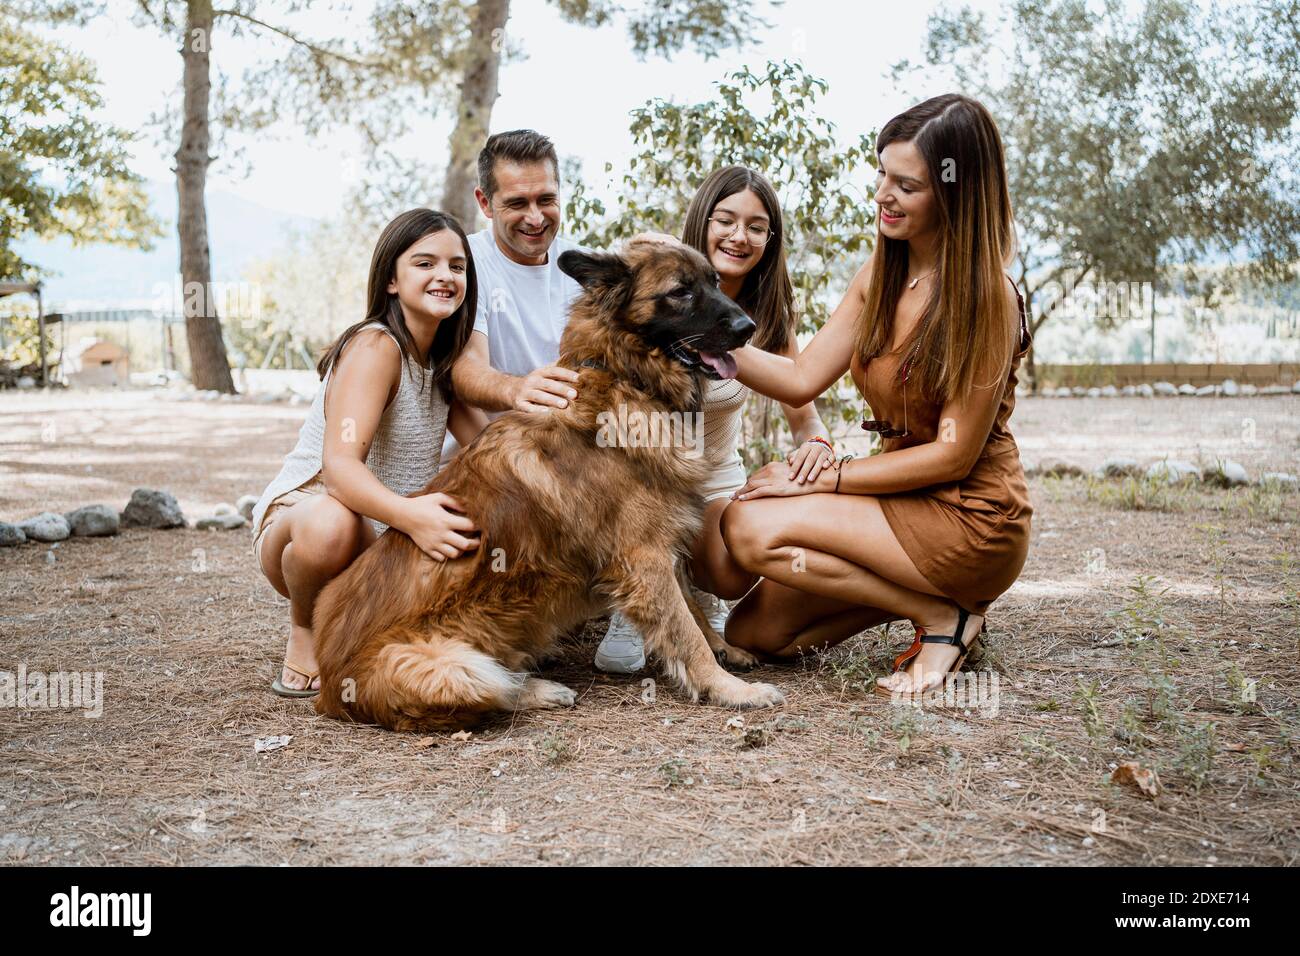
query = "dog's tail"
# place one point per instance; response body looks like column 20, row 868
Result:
column 431, row 682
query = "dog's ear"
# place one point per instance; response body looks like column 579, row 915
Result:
column 595, row 270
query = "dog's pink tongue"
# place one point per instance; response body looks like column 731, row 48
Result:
column 721, row 363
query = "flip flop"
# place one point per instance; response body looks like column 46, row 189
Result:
column 279, row 688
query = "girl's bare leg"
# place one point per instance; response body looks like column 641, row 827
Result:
column 310, row 544
column 713, row 569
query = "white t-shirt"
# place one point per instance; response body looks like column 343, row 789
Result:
column 521, row 309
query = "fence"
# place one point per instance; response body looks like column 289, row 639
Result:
column 1179, row 373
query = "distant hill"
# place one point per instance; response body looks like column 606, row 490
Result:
column 239, row 231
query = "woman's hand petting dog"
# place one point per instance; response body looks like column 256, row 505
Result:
column 773, row 481
column 809, row 460
column 438, row 526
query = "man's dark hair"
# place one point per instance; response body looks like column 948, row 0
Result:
column 516, row 146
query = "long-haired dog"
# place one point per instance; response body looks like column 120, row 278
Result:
column 579, row 510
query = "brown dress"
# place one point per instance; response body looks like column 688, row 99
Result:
column 968, row 538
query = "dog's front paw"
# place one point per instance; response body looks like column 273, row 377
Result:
column 736, row 658
column 537, row 693
column 740, row 694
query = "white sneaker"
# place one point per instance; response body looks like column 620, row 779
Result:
column 714, row 608
column 622, row 651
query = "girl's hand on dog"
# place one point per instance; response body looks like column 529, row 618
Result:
column 438, row 526
column 809, row 460
column 773, row 481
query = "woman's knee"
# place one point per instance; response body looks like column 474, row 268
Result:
column 745, row 532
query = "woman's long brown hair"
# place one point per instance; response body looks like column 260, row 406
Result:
column 766, row 293
column 383, row 306
column 963, row 325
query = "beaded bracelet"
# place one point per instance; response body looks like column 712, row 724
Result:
column 823, row 441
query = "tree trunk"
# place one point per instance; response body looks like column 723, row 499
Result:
column 478, row 94
column 209, row 367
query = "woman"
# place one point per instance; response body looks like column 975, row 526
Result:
column 374, row 431
column 734, row 219
column 936, row 527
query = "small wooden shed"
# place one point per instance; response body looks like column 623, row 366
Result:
column 97, row 363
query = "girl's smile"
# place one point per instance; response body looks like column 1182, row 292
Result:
column 430, row 277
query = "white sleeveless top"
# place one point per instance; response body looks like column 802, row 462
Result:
column 724, row 400
column 403, row 455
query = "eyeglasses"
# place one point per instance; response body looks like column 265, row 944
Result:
column 724, row 227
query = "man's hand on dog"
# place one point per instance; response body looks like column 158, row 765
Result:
column 439, row 527
column 544, row 389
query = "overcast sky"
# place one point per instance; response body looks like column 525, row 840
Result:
column 577, row 85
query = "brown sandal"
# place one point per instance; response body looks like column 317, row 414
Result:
column 923, row 638
column 278, row 686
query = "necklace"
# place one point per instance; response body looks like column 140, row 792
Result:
column 884, row 428
column 912, row 284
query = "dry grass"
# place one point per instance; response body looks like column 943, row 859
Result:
column 1129, row 637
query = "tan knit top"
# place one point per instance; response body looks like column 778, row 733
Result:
column 724, row 399
column 403, row 455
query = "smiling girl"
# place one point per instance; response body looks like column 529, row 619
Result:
column 735, row 220
column 374, row 431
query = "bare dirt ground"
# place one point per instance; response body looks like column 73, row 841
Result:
column 1156, row 627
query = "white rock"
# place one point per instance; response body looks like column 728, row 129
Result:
column 1128, row 391
column 1165, row 388
column 245, row 506
column 1078, row 391
column 1280, row 479
column 1296, row 387
column 1227, row 473
column 1275, row 390
column 1094, row 392
column 93, row 521
column 224, row 509
column 1108, row 391
column 1062, row 392
column 46, row 526
column 1173, row 471
column 1207, row 390
column 1230, row 387
column 226, row 522
column 1186, row 389
column 1146, row 391
column 10, row 535
column 1249, row 389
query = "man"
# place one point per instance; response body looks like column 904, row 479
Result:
column 523, row 305
column 524, row 298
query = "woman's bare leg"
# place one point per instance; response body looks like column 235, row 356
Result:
column 842, row 547
column 778, row 621
column 310, row 544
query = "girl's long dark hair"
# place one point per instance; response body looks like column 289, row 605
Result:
column 766, row 293
column 383, row 306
